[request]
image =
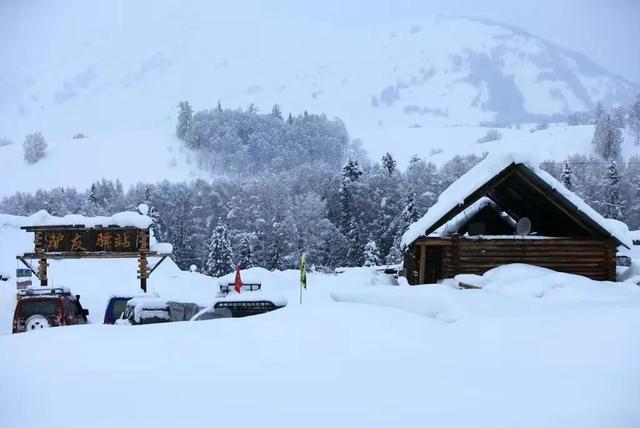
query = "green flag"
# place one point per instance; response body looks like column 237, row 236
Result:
column 303, row 272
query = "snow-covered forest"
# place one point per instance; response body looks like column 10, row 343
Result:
column 288, row 185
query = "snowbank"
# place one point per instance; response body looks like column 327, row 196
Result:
column 521, row 280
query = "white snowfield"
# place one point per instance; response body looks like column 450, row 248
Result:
column 531, row 348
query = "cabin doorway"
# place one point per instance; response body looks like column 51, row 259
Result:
column 433, row 265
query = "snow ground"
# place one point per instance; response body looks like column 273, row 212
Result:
column 498, row 356
column 531, row 348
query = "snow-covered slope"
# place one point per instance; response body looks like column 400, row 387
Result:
column 128, row 69
column 156, row 154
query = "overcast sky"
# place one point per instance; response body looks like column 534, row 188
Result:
column 606, row 31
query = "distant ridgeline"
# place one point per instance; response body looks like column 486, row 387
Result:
column 246, row 142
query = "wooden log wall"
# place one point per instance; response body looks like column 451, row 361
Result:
column 591, row 258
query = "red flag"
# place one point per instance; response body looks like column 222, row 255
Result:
column 238, row 281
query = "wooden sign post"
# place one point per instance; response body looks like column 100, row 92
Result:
column 78, row 241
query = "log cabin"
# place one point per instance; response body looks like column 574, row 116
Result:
column 508, row 210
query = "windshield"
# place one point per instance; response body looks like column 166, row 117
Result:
column 47, row 308
column 118, row 307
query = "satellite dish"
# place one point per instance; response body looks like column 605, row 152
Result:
column 523, row 226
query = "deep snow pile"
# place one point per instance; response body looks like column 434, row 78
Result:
column 502, row 359
column 530, row 348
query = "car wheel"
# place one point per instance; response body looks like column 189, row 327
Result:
column 36, row 322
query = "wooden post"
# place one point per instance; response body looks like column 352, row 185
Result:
column 143, row 271
column 455, row 254
column 42, row 272
column 143, row 266
column 423, row 261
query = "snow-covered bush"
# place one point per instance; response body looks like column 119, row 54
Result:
column 540, row 126
column 491, row 135
column 79, row 136
column 5, row 142
column 35, row 148
column 371, row 254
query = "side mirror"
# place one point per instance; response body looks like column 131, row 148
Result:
column 85, row 312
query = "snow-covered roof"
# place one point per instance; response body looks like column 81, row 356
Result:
column 459, row 220
column 456, row 194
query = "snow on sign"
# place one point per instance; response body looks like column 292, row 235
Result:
column 91, row 240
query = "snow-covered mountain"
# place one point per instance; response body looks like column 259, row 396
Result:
column 93, row 68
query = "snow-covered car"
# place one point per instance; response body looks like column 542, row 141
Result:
column 211, row 313
column 248, row 302
column 154, row 310
column 47, row 307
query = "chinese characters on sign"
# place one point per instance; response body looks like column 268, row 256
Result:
column 90, row 240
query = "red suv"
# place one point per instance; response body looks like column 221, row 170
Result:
column 50, row 307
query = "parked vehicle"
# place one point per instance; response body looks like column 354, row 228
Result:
column 154, row 310
column 251, row 301
column 244, row 308
column 115, row 308
column 212, row 313
column 47, row 307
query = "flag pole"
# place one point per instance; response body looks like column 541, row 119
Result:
column 303, row 275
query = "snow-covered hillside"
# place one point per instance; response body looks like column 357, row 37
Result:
column 156, row 154
column 131, row 157
column 129, row 69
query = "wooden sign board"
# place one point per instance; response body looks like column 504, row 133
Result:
column 80, row 241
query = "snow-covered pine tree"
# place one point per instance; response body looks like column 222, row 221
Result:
column 634, row 120
column 632, row 197
column 348, row 225
column 35, row 147
column 351, row 170
column 245, row 253
column 389, row 163
column 220, row 259
column 409, row 212
column 567, row 176
column 618, row 117
column 612, row 196
column 598, row 112
column 276, row 112
column 371, row 254
column 185, row 118
column 408, row 216
column 219, row 107
column 607, row 139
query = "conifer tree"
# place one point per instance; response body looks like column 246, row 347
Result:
column 607, row 139
column 599, row 111
column 612, row 197
column 185, row 118
column 634, row 120
column 371, row 254
column 567, row 176
column 389, row 163
column 245, row 253
column 276, row 112
column 220, row 258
